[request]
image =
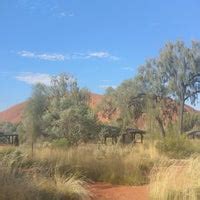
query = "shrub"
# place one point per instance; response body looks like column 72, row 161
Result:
column 61, row 143
column 177, row 147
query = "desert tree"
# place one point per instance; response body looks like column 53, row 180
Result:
column 174, row 74
column 68, row 114
column 150, row 94
column 109, row 104
column 181, row 69
column 32, row 120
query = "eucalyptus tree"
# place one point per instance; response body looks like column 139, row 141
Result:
column 36, row 106
column 150, row 94
column 181, row 69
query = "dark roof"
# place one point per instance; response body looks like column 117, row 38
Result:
column 193, row 133
column 135, row 130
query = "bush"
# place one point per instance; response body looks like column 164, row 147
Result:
column 61, row 143
column 177, row 147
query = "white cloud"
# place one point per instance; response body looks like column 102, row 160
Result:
column 43, row 56
column 107, row 86
column 66, row 14
column 62, row 57
column 94, row 55
column 34, row 78
column 51, row 57
column 101, row 54
column 44, row 8
column 62, row 14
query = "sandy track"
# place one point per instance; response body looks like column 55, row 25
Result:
column 105, row 191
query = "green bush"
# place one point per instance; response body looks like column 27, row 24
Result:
column 177, row 147
column 61, row 143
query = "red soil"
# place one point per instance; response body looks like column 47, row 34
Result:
column 104, row 191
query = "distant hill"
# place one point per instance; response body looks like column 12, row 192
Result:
column 14, row 113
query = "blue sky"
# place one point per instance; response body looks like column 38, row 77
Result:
column 100, row 42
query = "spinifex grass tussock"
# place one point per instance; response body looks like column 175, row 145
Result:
column 114, row 164
column 59, row 174
column 178, row 147
column 176, row 180
column 22, row 178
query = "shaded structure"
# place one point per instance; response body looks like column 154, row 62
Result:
column 9, row 139
column 133, row 132
column 114, row 133
column 193, row 135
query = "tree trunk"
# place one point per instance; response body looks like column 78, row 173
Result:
column 160, row 123
column 32, row 149
column 181, row 111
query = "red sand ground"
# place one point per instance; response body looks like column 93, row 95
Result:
column 104, row 191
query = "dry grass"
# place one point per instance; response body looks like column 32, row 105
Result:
column 114, row 164
column 176, row 180
column 59, row 174
column 23, row 179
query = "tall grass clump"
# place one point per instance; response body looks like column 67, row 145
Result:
column 63, row 173
column 114, row 164
column 177, row 147
column 22, row 178
column 176, row 180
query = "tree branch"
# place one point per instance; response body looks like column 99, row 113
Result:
column 196, row 92
column 192, row 78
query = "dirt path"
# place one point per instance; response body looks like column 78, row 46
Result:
column 104, row 191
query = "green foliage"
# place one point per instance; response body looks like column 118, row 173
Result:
column 32, row 121
column 8, row 128
column 109, row 131
column 60, row 111
column 22, row 133
column 180, row 70
column 60, row 143
column 177, row 147
column 173, row 74
column 108, row 106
